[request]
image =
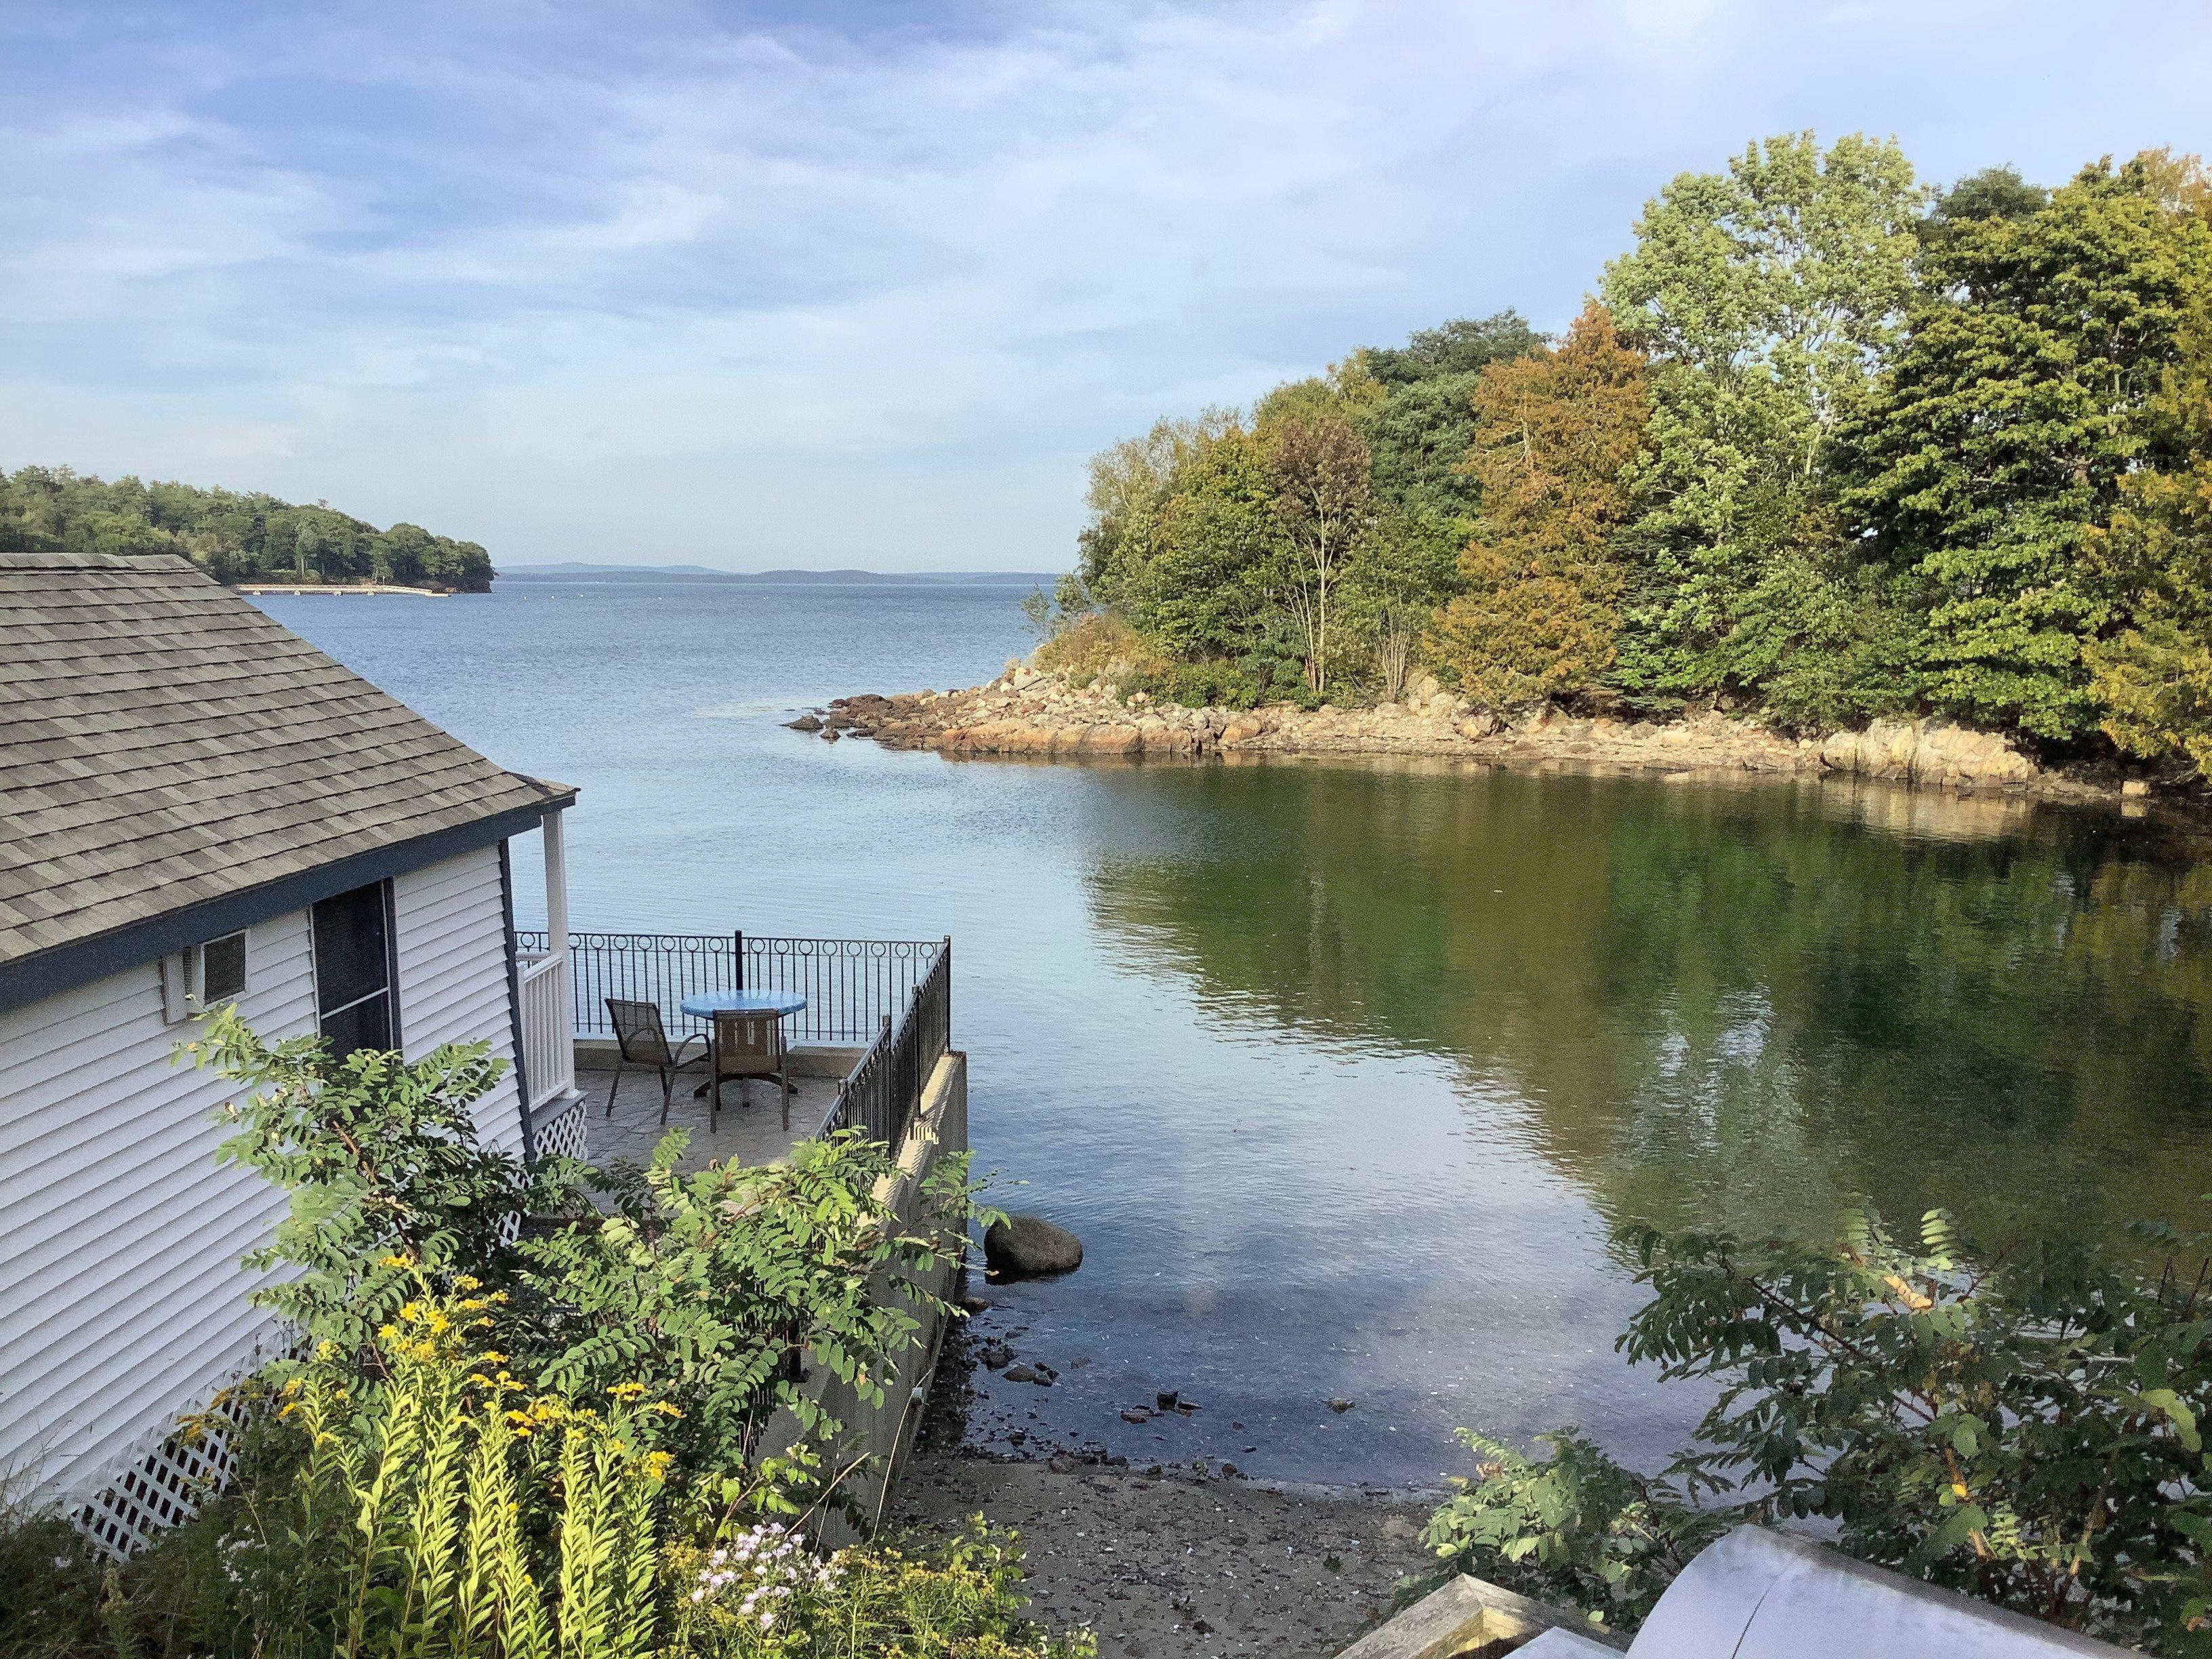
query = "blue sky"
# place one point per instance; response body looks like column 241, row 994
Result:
column 850, row 284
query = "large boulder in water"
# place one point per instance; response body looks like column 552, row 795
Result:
column 1022, row 1246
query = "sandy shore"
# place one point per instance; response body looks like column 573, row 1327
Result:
column 1167, row 1567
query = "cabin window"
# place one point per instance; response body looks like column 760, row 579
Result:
column 354, row 976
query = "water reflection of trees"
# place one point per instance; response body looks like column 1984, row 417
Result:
column 1738, row 1002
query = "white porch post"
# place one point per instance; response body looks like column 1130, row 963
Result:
column 557, row 888
column 549, row 1010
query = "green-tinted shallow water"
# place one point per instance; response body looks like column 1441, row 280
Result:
column 1345, row 1071
column 1719, row 1003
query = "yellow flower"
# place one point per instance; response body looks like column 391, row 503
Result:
column 627, row 1390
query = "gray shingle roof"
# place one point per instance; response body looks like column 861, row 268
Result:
column 164, row 743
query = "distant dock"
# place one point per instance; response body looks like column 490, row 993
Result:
column 343, row 587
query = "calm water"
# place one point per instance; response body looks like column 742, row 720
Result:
column 1344, row 1072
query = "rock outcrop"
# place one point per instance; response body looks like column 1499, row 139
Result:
column 1927, row 752
column 1026, row 712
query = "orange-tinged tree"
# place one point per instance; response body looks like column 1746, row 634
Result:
column 1554, row 434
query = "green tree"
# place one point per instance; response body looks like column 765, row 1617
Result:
column 2004, row 429
column 1764, row 297
column 1992, row 193
column 1326, row 504
column 1345, row 392
column 2153, row 680
column 1419, row 437
column 1404, row 566
column 1419, row 433
column 1130, row 484
column 1464, row 345
column 1218, row 553
column 1554, row 434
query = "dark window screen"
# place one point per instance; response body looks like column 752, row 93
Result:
column 353, row 970
column 222, row 969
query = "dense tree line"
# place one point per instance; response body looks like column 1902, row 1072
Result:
column 1826, row 444
column 233, row 538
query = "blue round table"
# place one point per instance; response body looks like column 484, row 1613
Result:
column 707, row 1004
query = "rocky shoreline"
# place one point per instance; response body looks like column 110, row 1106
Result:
column 1028, row 711
column 1184, row 1559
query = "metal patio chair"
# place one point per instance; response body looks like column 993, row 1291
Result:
column 642, row 1041
column 747, row 1045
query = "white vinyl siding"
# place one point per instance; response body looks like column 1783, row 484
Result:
column 122, row 1304
column 451, row 946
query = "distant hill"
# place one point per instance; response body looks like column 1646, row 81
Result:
column 571, row 571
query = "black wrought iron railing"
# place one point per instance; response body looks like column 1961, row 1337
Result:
column 881, row 1093
column 851, row 985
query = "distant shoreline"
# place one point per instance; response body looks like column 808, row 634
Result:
column 792, row 578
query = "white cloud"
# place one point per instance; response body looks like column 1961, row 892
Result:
column 643, row 287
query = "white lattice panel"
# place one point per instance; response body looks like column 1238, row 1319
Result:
column 166, row 1487
column 561, row 1135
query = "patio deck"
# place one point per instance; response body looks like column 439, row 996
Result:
column 750, row 1133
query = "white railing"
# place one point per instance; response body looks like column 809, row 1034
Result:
column 548, row 1032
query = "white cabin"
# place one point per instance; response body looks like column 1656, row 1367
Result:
column 197, row 807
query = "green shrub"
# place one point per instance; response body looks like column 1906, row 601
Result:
column 709, row 1287
column 764, row 1594
column 1091, row 643
column 1576, row 1528
column 379, row 1157
column 2019, row 1425
column 712, row 1288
